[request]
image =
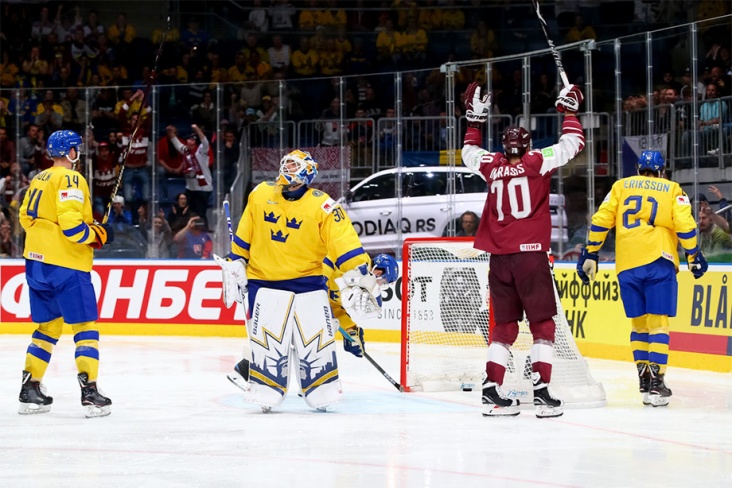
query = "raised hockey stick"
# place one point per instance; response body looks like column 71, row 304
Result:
column 138, row 124
column 555, row 53
column 372, row 361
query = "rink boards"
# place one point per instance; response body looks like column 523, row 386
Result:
column 175, row 297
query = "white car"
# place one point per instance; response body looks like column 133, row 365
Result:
column 426, row 207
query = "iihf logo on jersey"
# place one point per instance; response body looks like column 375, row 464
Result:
column 277, row 236
column 294, row 224
column 270, row 217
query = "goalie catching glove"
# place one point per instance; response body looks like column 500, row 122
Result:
column 569, row 99
column 234, row 280
column 360, row 293
column 697, row 264
column 587, row 266
column 476, row 107
column 104, row 235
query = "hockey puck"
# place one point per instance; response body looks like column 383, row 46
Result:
column 467, row 386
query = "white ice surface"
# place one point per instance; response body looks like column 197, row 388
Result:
column 177, row 422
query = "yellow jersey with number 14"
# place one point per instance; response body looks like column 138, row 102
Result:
column 56, row 213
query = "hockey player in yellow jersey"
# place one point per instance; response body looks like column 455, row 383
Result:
column 60, row 240
column 286, row 231
column 651, row 216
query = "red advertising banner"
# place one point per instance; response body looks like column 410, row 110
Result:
column 132, row 291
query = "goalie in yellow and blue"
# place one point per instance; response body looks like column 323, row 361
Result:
column 61, row 236
column 651, row 216
column 285, row 233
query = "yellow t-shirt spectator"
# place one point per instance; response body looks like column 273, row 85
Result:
column 344, row 46
column 430, row 19
column 483, row 44
column 413, row 42
column 307, row 21
column 331, row 63
column 453, row 19
column 330, row 18
column 388, row 43
column 305, row 64
column 237, row 75
column 114, row 34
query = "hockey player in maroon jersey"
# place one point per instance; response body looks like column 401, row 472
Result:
column 515, row 229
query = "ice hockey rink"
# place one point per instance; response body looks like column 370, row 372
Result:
column 178, row 422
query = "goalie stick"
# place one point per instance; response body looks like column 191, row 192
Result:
column 138, row 124
column 555, row 53
column 391, row 380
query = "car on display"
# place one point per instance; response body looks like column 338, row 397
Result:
column 426, row 208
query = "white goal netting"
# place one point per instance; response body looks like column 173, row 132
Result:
column 446, row 328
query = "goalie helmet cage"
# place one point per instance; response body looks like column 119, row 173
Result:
column 446, row 324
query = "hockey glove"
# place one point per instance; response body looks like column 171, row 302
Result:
column 234, row 280
column 360, row 293
column 476, row 108
column 587, row 266
column 104, row 235
column 569, row 99
column 697, row 264
column 354, row 342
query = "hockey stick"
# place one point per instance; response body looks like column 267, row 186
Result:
column 391, row 380
column 555, row 53
column 138, row 124
column 227, row 212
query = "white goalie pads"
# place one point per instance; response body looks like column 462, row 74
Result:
column 234, row 280
column 360, row 293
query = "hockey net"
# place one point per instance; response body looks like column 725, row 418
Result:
column 446, row 328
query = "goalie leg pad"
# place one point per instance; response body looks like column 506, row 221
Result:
column 270, row 333
column 314, row 340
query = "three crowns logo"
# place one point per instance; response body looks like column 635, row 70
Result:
column 278, row 236
column 270, row 217
column 293, row 224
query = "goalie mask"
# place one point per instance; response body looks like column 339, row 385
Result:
column 516, row 141
column 297, row 167
column 60, row 144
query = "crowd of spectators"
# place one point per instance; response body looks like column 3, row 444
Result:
column 64, row 64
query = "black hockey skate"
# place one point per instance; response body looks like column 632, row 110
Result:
column 95, row 404
column 33, row 398
column 496, row 404
column 644, row 382
column 547, row 406
column 659, row 393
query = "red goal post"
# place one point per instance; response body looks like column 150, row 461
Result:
column 446, row 325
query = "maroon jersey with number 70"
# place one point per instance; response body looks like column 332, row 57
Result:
column 516, row 217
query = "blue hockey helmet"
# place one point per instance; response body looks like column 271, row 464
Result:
column 652, row 160
column 60, row 144
column 297, row 167
column 388, row 267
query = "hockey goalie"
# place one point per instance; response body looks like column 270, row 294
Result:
column 285, row 233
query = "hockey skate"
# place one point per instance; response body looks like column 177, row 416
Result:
column 644, row 380
column 240, row 375
column 94, row 402
column 496, row 404
column 659, row 393
column 547, row 406
column 33, row 398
